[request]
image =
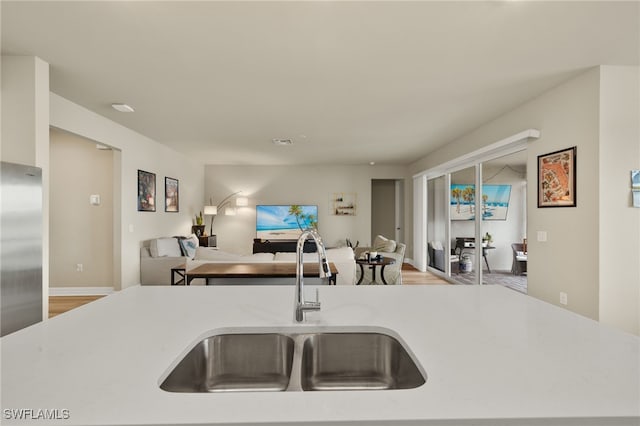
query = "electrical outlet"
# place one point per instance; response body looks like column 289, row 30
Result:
column 542, row 236
column 563, row 298
column 79, row 267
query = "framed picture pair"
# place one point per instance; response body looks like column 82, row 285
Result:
column 147, row 193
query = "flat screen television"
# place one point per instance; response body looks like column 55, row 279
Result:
column 284, row 222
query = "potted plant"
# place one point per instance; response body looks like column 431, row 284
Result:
column 198, row 228
column 487, row 238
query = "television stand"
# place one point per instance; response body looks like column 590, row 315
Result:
column 267, row 246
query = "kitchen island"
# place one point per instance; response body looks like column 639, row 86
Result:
column 492, row 356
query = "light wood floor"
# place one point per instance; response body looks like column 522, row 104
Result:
column 410, row 276
column 62, row 304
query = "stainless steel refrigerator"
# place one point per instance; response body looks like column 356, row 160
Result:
column 20, row 246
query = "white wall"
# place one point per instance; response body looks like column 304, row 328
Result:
column 81, row 233
column 25, row 133
column 619, row 221
column 568, row 115
column 295, row 185
column 137, row 152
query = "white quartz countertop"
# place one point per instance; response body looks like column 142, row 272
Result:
column 492, row 357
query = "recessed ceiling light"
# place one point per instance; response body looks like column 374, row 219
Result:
column 372, row 163
column 122, row 107
column 282, row 142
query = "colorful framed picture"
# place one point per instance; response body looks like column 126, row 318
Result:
column 557, row 179
column 146, row 191
column 171, row 198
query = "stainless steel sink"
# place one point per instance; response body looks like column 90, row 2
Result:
column 234, row 362
column 313, row 360
column 357, row 361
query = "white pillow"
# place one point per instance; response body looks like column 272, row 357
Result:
column 383, row 244
column 162, row 247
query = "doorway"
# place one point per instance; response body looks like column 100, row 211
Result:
column 84, row 228
column 387, row 211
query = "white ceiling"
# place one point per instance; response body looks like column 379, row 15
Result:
column 349, row 82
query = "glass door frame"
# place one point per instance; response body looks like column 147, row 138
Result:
column 510, row 145
column 477, row 222
column 447, row 216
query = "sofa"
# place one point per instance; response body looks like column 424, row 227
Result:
column 158, row 256
column 436, row 250
column 387, row 248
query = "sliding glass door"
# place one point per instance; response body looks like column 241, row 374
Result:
column 437, row 222
column 474, row 232
column 462, row 213
column 504, row 220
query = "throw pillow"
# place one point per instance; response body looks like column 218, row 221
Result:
column 161, row 247
column 189, row 246
column 384, row 244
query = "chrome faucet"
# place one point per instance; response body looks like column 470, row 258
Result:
column 301, row 306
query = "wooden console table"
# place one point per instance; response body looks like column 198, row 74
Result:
column 255, row 270
column 275, row 246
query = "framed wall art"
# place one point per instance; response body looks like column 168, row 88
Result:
column 146, row 191
column 171, row 195
column 557, row 178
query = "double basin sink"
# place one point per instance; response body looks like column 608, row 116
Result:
column 295, row 361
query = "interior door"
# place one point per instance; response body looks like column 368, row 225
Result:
column 383, row 208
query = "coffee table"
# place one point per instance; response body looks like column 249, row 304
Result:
column 255, row 270
column 373, row 264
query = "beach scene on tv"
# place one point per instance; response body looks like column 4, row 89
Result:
column 284, row 222
column 495, row 202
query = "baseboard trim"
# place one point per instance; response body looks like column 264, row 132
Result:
column 80, row 291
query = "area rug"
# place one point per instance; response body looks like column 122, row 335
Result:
column 503, row 278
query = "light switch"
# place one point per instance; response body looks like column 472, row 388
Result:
column 94, row 200
column 130, row 227
column 542, row 236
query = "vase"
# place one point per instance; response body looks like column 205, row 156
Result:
column 198, row 230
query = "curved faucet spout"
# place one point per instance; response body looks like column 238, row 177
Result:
column 301, row 306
